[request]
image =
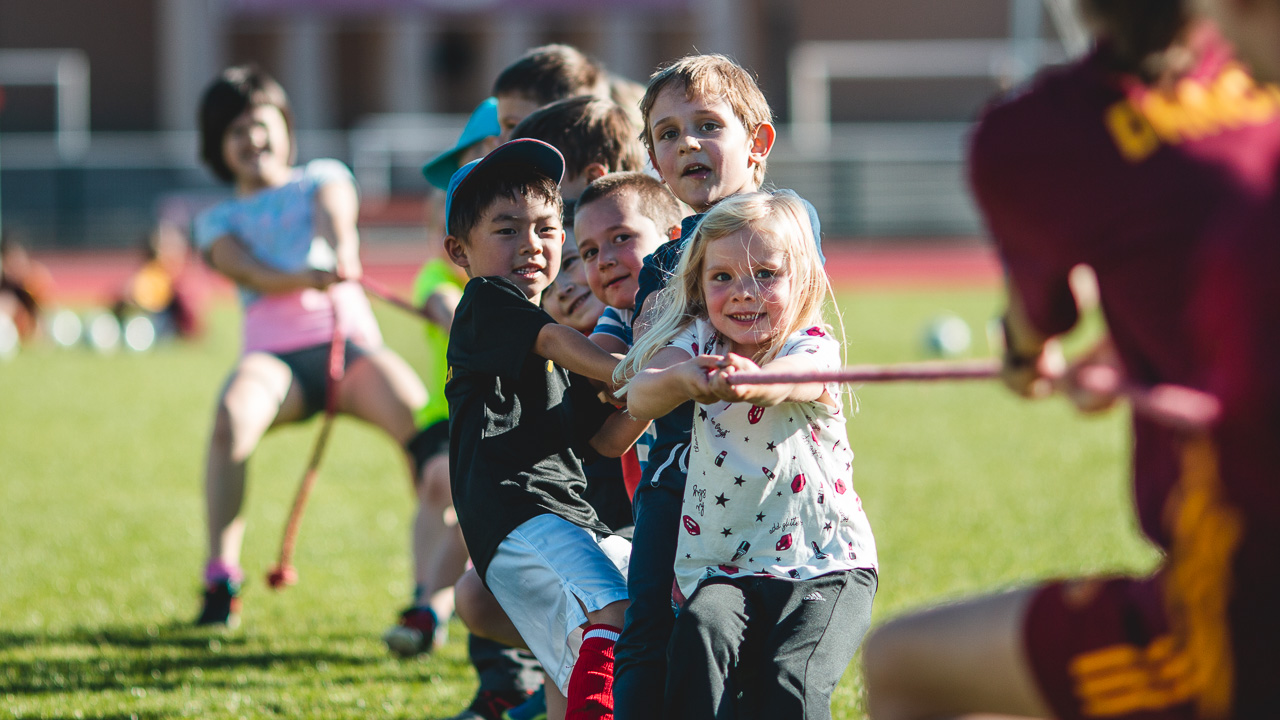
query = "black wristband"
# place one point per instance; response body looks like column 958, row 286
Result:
column 1013, row 360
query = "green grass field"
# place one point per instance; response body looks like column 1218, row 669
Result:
column 101, row 526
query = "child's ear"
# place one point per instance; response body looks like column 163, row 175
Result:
column 762, row 142
column 594, row 171
column 457, row 251
column 653, row 162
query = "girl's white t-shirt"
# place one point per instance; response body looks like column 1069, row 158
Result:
column 277, row 226
column 770, row 490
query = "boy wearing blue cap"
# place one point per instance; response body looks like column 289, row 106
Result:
column 436, row 291
column 519, row 404
column 507, row 675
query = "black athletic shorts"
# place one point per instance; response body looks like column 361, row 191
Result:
column 310, row 368
column 430, row 441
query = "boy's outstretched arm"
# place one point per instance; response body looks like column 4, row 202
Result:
column 669, row 380
column 574, row 352
column 618, row 433
column 768, row 395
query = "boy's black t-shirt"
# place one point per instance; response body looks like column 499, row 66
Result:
column 514, row 419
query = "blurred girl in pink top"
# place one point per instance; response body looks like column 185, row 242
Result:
column 288, row 240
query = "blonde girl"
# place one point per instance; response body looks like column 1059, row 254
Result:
column 775, row 555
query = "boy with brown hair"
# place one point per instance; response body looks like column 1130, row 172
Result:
column 542, row 76
column 594, row 134
column 709, row 131
column 515, row 415
column 621, row 219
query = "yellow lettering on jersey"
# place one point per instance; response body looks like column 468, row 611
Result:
column 1123, row 679
column 1191, row 111
column 1166, row 116
column 551, row 367
column 448, row 374
column 1193, row 663
column 1206, row 533
column 1133, row 135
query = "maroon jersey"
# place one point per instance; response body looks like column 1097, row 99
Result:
column 1237, row 317
column 1089, row 166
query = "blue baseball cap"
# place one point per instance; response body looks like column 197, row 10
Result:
column 483, row 123
column 526, row 151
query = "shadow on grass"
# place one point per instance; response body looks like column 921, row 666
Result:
column 110, row 716
column 166, row 658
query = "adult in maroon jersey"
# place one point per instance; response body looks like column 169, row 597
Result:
column 1128, row 161
column 1240, row 319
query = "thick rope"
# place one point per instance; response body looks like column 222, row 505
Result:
column 284, row 573
column 1174, row 406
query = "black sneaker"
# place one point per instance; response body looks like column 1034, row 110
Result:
column 417, row 632
column 490, row 704
column 221, row 604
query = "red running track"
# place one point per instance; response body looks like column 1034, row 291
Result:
column 966, row 263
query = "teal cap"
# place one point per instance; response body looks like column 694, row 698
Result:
column 483, row 123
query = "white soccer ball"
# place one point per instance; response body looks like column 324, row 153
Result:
column 103, row 333
column 139, row 333
column 948, row 336
column 65, row 328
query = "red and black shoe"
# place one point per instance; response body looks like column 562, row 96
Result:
column 418, row 631
column 490, row 704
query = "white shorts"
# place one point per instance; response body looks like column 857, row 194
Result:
column 543, row 575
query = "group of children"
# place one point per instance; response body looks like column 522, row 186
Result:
column 563, row 355
column 747, row 582
column 747, row 290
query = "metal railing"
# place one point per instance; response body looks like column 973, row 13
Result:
column 878, row 180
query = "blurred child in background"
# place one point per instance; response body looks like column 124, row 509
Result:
column 594, row 134
column 298, row 295
column 163, row 289
column 25, row 286
column 542, row 76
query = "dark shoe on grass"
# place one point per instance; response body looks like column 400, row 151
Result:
column 419, row 631
column 490, row 704
column 535, row 708
column 221, row 605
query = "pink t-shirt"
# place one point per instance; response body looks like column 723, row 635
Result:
column 292, row 321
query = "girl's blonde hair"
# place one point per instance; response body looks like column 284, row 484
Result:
column 781, row 219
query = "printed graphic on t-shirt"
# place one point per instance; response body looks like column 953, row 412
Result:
column 770, row 490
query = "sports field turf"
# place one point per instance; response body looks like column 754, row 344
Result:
column 102, row 539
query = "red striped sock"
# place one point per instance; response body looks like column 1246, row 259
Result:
column 591, row 683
